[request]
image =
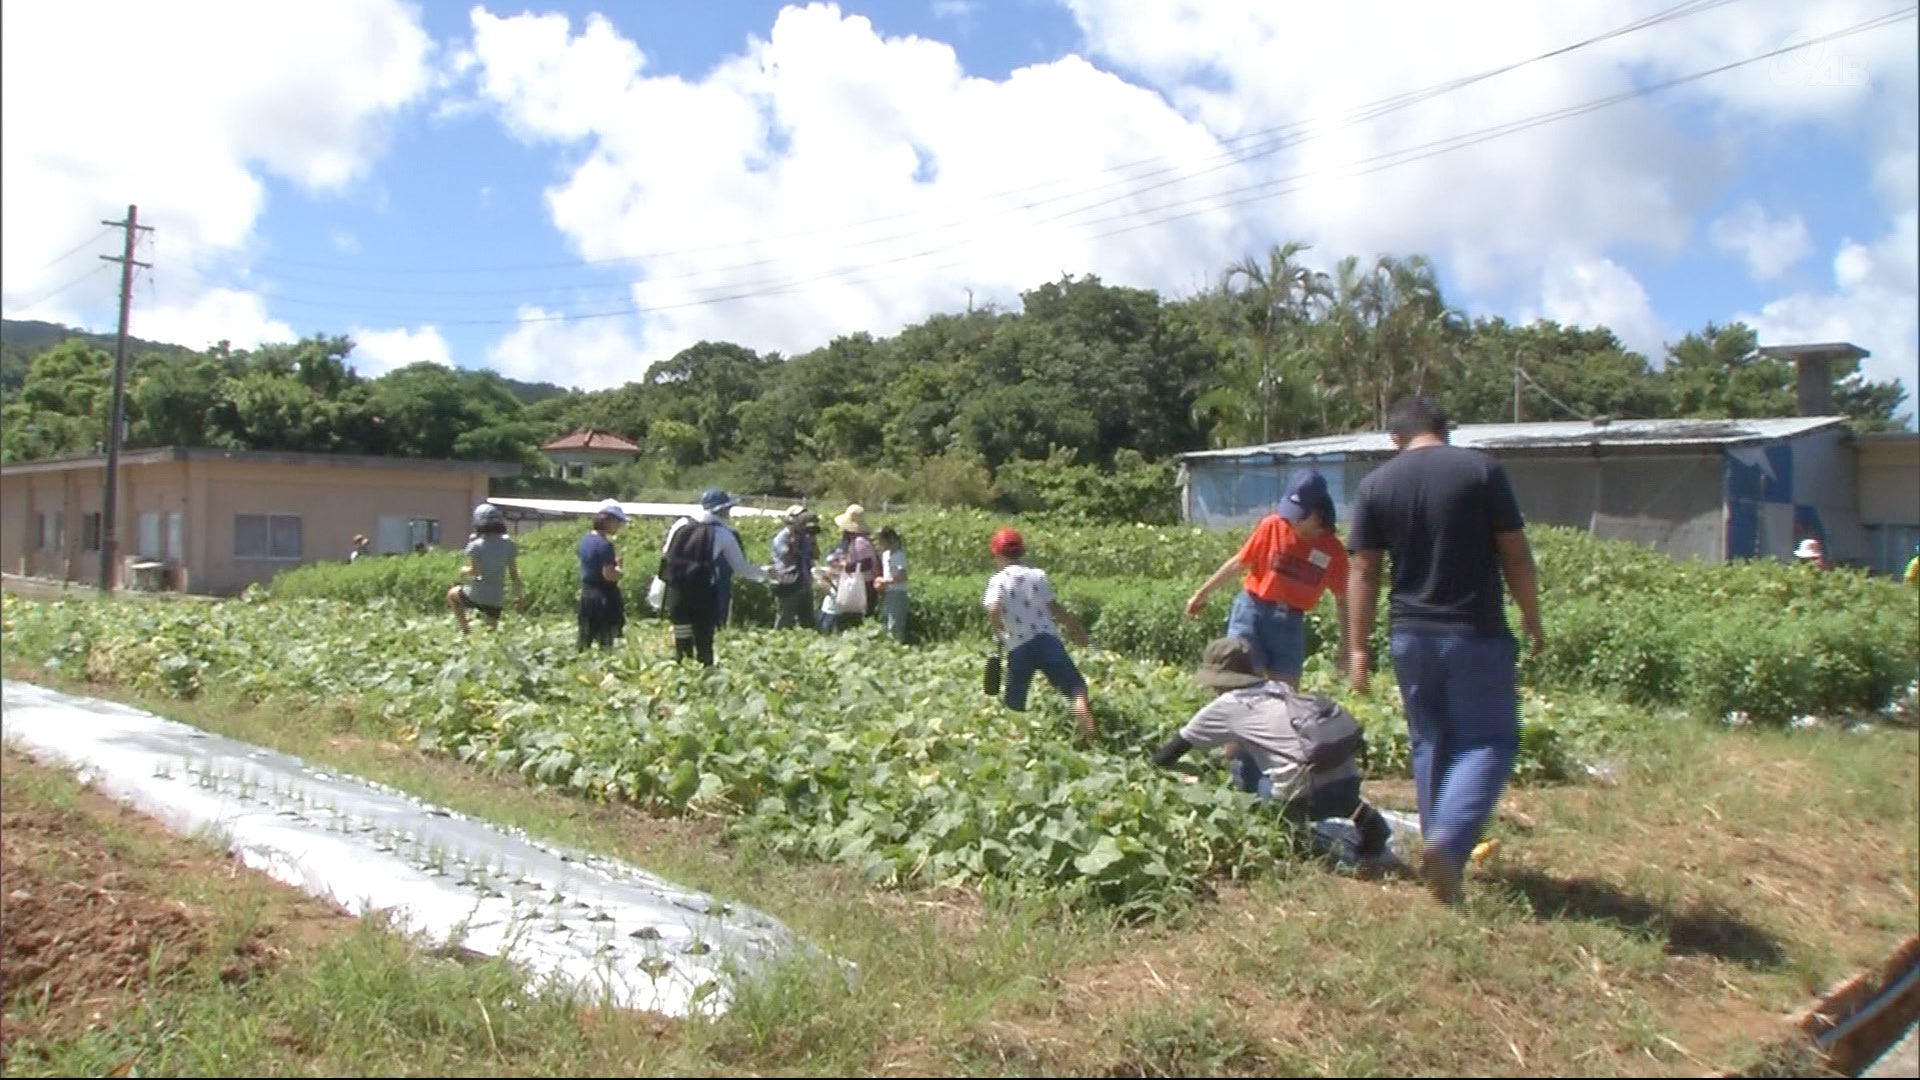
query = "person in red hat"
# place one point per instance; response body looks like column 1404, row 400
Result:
column 1026, row 622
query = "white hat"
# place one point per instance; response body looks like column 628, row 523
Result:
column 1808, row 549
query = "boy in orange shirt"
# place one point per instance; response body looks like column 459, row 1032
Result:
column 1291, row 559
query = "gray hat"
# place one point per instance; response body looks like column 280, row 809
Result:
column 1227, row 664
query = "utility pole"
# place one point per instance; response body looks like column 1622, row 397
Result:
column 109, row 527
column 1516, row 386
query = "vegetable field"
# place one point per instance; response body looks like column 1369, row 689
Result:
column 1768, row 641
column 889, row 759
column 850, row 749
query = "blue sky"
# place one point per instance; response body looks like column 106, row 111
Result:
column 568, row 195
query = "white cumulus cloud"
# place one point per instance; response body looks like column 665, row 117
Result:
column 828, row 178
column 376, row 352
column 588, row 353
column 1870, row 304
column 1770, row 246
column 1578, row 291
column 183, row 109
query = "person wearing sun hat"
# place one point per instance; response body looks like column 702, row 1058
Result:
column 856, row 555
column 698, row 560
column 1026, row 622
column 1291, row 559
column 1272, row 723
column 1810, row 553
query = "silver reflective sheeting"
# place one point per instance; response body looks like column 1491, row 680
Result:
column 608, row 930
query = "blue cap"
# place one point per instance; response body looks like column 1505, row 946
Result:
column 715, row 500
column 1306, row 494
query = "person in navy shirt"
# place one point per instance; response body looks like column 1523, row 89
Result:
column 603, row 612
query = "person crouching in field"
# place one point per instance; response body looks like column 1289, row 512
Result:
column 603, row 611
column 1026, row 622
column 492, row 561
column 1292, row 558
column 1299, row 750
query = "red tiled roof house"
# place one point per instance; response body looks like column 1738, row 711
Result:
column 576, row 455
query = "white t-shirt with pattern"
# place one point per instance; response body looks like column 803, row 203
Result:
column 1023, row 594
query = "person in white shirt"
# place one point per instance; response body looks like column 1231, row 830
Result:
column 893, row 583
column 1026, row 622
column 696, row 546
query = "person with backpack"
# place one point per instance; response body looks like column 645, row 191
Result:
column 1291, row 560
column 1026, row 622
column 796, row 549
column 492, row 560
column 697, row 546
column 1298, row 750
column 603, row 611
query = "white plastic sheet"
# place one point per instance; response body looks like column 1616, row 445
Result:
column 610, row 931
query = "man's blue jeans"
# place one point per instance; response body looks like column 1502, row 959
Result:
column 1463, row 720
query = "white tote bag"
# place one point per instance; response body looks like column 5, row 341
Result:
column 850, row 594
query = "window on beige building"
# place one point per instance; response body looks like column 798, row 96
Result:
column 148, row 536
column 90, row 532
column 266, row 536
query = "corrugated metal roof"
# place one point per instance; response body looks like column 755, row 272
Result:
column 1569, row 434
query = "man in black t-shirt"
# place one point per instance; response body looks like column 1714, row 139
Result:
column 1447, row 519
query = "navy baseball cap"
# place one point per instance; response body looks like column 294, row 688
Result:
column 1306, row 494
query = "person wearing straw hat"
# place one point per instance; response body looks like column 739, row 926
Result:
column 853, row 556
column 1276, row 731
column 361, row 548
column 603, row 611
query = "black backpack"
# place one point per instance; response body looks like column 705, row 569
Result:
column 688, row 560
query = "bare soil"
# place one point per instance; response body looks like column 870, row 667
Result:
column 95, row 918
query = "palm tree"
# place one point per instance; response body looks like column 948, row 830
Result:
column 1279, row 297
column 1411, row 329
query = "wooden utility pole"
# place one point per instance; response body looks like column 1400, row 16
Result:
column 1516, row 386
column 109, row 526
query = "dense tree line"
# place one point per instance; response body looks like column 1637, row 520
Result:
column 1075, row 401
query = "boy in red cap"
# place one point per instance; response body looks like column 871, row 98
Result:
column 1026, row 621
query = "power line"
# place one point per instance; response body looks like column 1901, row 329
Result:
column 1264, row 143
column 74, row 250
column 95, row 271
column 727, row 292
column 1544, row 392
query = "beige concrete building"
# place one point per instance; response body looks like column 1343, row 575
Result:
column 1889, row 493
column 216, row 521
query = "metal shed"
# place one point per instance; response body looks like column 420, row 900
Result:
column 1707, row 489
